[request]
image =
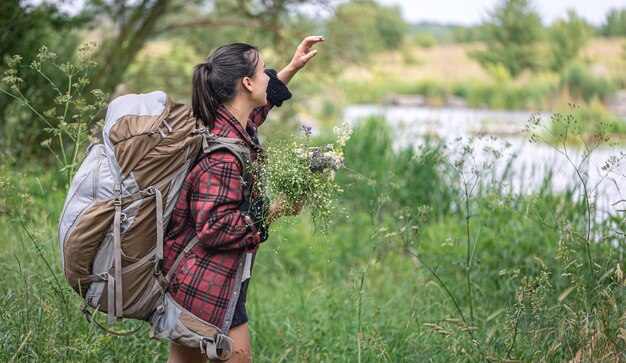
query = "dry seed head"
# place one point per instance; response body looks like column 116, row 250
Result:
column 457, row 322
column 437, row 329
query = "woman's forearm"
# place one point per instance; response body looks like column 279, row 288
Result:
column 287, row 73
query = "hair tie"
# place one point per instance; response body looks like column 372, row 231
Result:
column 209, row 66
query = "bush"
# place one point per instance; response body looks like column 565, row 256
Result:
column 424, row 40
column 407, row 177
column 582, row 85
column 588, row 122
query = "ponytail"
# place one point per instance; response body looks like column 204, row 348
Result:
column 215, row 82
column 203, row 101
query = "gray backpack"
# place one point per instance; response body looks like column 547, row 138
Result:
column 118, row 205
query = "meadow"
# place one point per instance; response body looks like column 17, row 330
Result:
column 423, row 264
column 431, row 259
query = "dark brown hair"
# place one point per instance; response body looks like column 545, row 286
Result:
column 216, row 81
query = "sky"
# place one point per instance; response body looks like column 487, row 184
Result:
column 461, row 12
column 472, row 12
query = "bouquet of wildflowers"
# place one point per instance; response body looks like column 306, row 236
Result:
column 298, row 171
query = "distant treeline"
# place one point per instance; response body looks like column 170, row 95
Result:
column 513, row 33
column 613, row 26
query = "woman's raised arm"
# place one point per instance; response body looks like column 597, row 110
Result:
column 300, row 58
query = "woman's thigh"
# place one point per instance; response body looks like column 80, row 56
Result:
column 180, row 354
column 241, row 344
column 241, row 349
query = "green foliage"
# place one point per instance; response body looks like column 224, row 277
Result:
column 462, row 34
column 39, row 313
column 587, row 123
column 24, row 29
column 442, row 33
column 531, row 95
column 169, row 72
column 68, row 122
column 229, row 21
column 202, row 24
column 513, row 31
column 388, row 180
column 391, row 27
column 581, row 84
column 298, row 171
column 615, row 25
column 424, row 40
column 567, row 37
column 437, row 260
column 362, row 28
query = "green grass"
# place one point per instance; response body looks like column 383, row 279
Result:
column 388, row 283
column 531, row 95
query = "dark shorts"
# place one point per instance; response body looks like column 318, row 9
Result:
column 240, row 317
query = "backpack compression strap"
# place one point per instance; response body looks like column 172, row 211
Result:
column 114, row 282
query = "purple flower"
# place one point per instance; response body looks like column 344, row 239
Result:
column 306, row 129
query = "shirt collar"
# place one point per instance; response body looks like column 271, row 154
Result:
column 225, row 118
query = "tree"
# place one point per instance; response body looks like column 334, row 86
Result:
column 615, row 25
column 135, row 22
column 125, row 27
column 391, row 27
column 468, row 34
column 513, row 32
column 24, row 29
column 567, row 37
column 363, row 27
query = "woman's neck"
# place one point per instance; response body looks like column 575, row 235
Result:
column 240, row 109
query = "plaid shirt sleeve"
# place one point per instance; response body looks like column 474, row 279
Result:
column 216, row 205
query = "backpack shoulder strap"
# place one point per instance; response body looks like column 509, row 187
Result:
column 237, row 147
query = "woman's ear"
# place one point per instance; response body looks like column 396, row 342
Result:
column 246, row 82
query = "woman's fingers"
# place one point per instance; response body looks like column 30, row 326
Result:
column 304, row 52
column 309, row 55
column 309, row 41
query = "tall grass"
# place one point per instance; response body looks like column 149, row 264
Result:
column 391, row 282
column 509, row 95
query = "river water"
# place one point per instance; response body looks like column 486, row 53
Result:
column 526, row 164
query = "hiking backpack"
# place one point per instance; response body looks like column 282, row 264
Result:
column 118, row 205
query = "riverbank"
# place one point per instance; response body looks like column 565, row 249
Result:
column 417, row 268
column 444, row 76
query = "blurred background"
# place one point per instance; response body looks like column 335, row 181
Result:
column 513, row 55
column 482, row 212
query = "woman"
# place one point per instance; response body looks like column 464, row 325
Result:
column 232, row 95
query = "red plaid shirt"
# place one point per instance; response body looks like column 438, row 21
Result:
column 209, row 206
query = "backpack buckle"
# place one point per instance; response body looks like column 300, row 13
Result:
column 117, row 200
column 160, row 309
column 148, row 191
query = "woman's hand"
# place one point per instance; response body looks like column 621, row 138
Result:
column 301, row 57
column 282, row 207
column 304, row 53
